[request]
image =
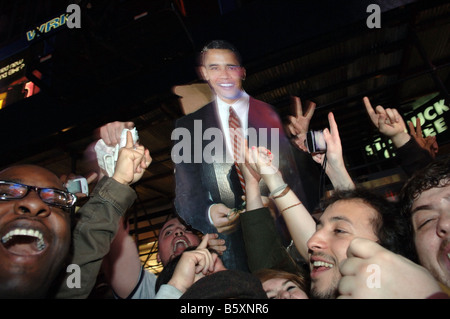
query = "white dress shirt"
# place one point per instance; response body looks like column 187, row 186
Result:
column 241, row 108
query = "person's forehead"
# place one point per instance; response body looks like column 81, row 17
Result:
column 275, row 281
column 349, row 210
column 214, row 56
column 171, row 223
column 31, row 175
column 432, row 196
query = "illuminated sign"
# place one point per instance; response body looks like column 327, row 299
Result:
column 432, row 121
column 47, row 26
column 73, row 20
column 433, row 117
column 14, row 84
column 2, row 99
column 11, row 69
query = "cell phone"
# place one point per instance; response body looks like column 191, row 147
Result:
column 78, row 185
column 315, row 143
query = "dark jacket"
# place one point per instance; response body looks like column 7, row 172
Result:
column 214, row 180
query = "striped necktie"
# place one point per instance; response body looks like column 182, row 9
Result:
column 237, row 138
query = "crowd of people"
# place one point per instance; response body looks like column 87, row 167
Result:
column 361, row 245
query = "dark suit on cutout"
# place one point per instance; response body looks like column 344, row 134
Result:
column 199, row 185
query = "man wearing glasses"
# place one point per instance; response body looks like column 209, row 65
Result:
column 36, row 215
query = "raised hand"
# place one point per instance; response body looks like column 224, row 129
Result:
column 214, row 242
column 299, row 123
column 260, row 159
column 389, row 123
column 335, row 166
column 194, row 265
column 110, row 133
column 429, row 143
column 132, row 162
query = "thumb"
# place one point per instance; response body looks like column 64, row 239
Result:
column 362, row 248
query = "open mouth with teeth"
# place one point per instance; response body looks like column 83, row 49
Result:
column 179, row 246
column 319, row 266
column 24, row 242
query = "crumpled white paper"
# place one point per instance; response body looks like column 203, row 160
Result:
column 107, row 155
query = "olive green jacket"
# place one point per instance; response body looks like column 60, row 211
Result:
column 96, row 226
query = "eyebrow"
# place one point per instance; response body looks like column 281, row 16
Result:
column 282, row 285
column 20, row 181
column 227, row 64
column 167, row 226
column 421, row 207
column 336, row 219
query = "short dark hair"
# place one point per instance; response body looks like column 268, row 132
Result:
column 389, row 227
column 219, row 45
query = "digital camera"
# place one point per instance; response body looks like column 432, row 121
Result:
column 315, row 143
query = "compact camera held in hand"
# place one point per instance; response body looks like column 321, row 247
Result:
column 315, row 143
column 78, row 185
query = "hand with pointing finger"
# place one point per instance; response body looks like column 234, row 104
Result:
column 389, row 123
column 132, row 162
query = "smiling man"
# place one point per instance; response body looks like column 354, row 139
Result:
column 35, row 230
column 350, row 214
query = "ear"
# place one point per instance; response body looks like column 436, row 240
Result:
column 244, row 74
column 158, row 258
column 201, row 70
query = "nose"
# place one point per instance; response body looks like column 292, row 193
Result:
column 284, row 295
column 179, row 232
column 32, row 205
column 224, row 73
column 316, row 242
column 443, row 227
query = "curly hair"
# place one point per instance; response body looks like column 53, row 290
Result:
column 435, row 174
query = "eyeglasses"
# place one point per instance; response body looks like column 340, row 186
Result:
column 50, row 196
